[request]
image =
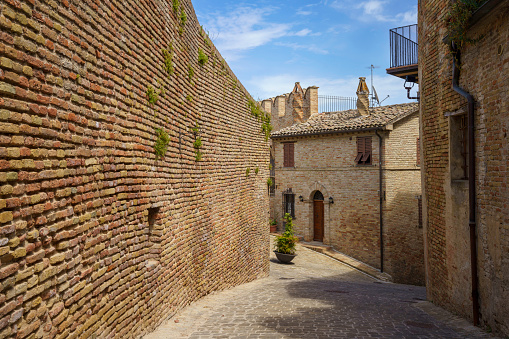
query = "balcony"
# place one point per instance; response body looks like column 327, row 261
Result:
column 404, row 52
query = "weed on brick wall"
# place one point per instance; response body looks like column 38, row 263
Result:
column 161, row 144
column 458, row 19
column 202, row 58
column 152, row 96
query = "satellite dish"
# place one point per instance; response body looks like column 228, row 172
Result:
column 376, row 96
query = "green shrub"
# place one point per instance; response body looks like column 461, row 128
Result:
column 286, row 242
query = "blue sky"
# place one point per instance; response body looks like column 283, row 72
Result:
column 330, row 43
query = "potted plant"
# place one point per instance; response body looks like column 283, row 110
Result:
column 273, row 225
column 285, row 243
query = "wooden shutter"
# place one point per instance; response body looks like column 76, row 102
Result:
column 363, row 151
column 360, row 149
column 285, row 152
column 418, row 152
column 366, row 159
column 288, row 150
column 291, row 162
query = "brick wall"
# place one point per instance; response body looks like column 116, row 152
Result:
column 98, row 238
column 483, row 70
column 351, row 223
column 403, row 234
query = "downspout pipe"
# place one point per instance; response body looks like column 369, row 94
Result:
column 471, row 182
column 380, row 172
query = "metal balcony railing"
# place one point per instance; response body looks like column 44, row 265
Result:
column 404, row 46
column 329, row 103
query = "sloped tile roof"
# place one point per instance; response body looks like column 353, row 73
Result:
column 349, row 120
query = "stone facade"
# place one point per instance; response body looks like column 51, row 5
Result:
column 98, row 238
column 484, row 69
column 324, row 161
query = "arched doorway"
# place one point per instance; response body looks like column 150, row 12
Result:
column 318, row 217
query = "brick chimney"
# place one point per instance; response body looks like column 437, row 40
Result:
column 363, row 97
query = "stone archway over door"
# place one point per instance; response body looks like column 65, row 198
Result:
column 318, row 217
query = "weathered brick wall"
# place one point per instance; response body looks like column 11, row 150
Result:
column 403, row 234
column 352, row 222
column 327, row 164
column 80, row 256
column 483, row 74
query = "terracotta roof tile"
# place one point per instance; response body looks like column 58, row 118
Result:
column 349, row 120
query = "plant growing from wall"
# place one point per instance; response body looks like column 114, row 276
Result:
column 197, row 144
column 152, row 96
column 458, row 19
column 202, row 58
column 189, row 98
column 269, row 182
column 176, row 5
column 168, row 60
column 257, row 170
column 190, row 72
column 161, row 144
column 286, row 242
column 248, row 170
column 183, row 16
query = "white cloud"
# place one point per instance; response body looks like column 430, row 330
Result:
column 305, row 32
column 310, row 48
column 376, row 10
column 273, row 85
column 242, row 29
column 302, row 12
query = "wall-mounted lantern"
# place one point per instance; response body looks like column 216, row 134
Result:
column 331, row 201
column 301, row 198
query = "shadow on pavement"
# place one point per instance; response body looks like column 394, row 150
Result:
column 331, row 307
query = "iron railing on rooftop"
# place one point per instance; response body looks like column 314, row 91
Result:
column 404, row 46
column 330, row 103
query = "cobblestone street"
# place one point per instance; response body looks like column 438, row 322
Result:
column 316, row 297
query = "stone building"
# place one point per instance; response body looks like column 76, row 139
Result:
column 124, row 145
column 351, row 179
column 465, row 150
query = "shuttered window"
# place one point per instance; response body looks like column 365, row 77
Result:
column 363, row 151
column 418, row 152
column 419, row 207
column 288, row 150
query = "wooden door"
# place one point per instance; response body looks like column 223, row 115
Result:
column 318, row 220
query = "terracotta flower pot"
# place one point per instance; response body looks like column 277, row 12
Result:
column 273, row 228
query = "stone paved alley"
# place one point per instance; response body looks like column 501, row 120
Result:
column 317, row 297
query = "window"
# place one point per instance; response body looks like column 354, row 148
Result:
column 288, row 155
column 363, row 151
column 418, row 152
column 289, row 203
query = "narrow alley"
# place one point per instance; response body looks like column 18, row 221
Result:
column 316, row 297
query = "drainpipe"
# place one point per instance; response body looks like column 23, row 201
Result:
column 380, row 171
column 471, row 182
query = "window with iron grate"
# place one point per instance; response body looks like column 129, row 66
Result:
column 289, row 203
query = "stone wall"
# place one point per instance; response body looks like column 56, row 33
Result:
column 484, row 67
column 98, row 238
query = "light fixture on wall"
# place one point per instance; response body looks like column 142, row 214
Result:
column 301, row 198
column 331, row 201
